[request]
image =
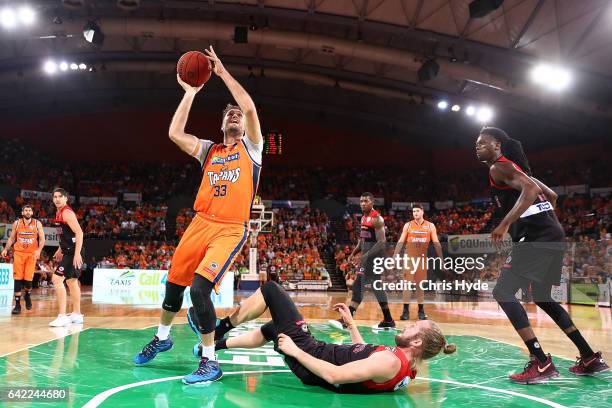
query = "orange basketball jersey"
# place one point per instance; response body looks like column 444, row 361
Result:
column 229, row 183
column 26, row 239
column 418, row 237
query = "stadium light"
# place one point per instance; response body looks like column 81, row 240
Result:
column 74, row 66
column 470, row 110
column 442, row 105
column 552, row 77
column 8, row 19
column 50, row 67
column 26, row 15
column 456, row 108
column 82, row 66
column 93, row 33
column 63, row 66
column 484, row 114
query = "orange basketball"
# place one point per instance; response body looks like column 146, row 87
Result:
column 194, row 68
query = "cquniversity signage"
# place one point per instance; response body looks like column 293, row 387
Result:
column 147, row 288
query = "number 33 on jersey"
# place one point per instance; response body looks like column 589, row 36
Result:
column 229, row 180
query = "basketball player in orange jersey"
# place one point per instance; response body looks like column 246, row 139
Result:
column 29, row 238
column 416, row 235
column 70, row 260
column 230, row 175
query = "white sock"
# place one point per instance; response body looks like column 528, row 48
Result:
column 163, row 332
column 209, row 352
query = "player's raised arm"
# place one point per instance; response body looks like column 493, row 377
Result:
column 350, row 323
column 242, row 98
column 187, row 142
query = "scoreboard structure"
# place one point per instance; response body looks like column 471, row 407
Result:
column 273, row 143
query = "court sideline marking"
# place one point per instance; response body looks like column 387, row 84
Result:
column 100, row 398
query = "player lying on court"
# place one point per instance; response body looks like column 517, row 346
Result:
column 347, row 368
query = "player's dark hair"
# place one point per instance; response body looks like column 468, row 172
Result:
column 61, row 191
column 23, row 207
column 511, row 148
column 369, row 195
column 230, row 107
column 417, row 206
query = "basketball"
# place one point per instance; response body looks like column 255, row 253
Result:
column 194, row 68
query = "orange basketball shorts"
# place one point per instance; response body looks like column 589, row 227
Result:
column 208, row 247
column 24, row 264
column 419, row 273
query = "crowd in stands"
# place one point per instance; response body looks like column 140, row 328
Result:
column 139, row 255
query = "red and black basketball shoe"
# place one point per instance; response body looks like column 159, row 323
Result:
column 536, row 372
column 589, row 366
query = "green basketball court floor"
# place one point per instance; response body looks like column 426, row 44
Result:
column 96, row 366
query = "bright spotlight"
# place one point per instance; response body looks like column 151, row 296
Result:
column 82, row 66
column 50, row 67
column 442, row 105
column 456, row 108
column 63, row 66
column 26, row 15
column 484, row 114
column 552, row 77
column 470, row 110
column 8, row 19
column 74, row 66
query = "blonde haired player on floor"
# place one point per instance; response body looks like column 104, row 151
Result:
column 347, row 368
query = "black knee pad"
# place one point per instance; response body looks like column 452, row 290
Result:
column 173, row 300
column 27, row 285
column 201, row 289
column 18, row 285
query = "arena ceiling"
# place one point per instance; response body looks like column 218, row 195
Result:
column 355, row 59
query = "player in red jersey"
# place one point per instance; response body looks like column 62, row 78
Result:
column 372, row 244
column 70, row 260
column 347, row 368
column 525, row 209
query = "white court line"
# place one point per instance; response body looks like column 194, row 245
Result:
column 100, row 398
column 498, row 390
column 38, row 344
